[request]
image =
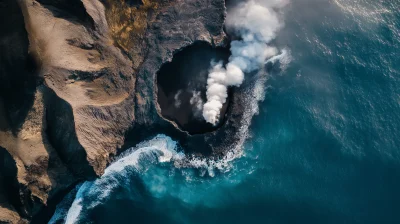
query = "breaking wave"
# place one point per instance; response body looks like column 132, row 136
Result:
column 159, row 149
column 136, row 161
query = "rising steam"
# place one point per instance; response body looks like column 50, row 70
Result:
column 256, row 22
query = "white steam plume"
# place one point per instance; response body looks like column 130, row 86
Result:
column 197, row 102
column 177, row 100
column 256, row 22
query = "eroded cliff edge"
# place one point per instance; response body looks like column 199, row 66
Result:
column 77, row 83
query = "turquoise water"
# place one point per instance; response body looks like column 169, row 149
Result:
column 324, row 147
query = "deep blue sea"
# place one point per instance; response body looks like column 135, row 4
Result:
column 324, row 147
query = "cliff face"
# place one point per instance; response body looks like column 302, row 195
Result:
column 77, row 84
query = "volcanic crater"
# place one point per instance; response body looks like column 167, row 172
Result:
column 182, row 86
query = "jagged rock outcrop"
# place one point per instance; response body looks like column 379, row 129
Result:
column 77, row 84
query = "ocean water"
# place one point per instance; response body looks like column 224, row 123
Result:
column 324, row 147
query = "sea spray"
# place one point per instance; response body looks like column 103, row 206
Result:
column 256, row 23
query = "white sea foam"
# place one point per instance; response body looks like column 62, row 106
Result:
column 74, row 211
column 63, row 207
column 76, row 207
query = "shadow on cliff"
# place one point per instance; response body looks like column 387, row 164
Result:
column 8, row 181
column 60, row 130
column 18, row 69
column 71, row 10
column 61, row 175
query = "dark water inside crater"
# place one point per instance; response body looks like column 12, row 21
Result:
column 324, row 146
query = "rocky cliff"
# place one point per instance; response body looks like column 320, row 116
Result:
column 77, row 85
